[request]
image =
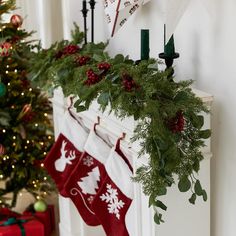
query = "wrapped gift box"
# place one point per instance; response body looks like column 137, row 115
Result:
column 52, row 215
column 32, row 227
column 6, row 213
column 47, row 218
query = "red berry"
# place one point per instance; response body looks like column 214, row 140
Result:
column 105, row 66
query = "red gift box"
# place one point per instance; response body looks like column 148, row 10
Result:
column 52, row 215
column 6, row 213
column 47, row 218
column 31, row 227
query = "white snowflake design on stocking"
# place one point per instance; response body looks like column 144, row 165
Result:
column 88, row 161
column 114, row 204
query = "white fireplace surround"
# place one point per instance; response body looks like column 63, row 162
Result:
column 181, row 218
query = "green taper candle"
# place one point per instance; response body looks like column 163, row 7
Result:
column 144, row 44
column 169, row 49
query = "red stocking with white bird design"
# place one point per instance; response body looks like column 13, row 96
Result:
column 87, row 177
column 66, row 152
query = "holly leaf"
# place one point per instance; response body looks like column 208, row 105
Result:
column 197, row 121
column 152, row 200
column 80, row 108
column 193, row 198
column 119, row 58
column 161, row 205
column 205, row 134
column 162, row 191
column 184, row 184
column 204, row 195
column 103, row 99
column 198, row 188
column 158, row 218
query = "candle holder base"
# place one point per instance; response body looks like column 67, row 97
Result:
column 169, row 60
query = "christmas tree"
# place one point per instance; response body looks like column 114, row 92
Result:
column 25, row 127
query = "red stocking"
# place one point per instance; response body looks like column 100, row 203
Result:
column 115, row 196
column 87, row 177
column 66, row 152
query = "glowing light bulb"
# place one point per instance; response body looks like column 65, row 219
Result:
column 42, row 165
column 36, row 125
column 14, row 137
column 22, row 94
column 4, row 131
column 30, row 89
column 7, row 71
column 12, row 166
column 1, row 176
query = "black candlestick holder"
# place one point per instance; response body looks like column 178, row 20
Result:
column 92, row 7
column 169, row 60
column 85, row 12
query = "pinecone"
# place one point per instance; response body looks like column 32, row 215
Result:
column 82, row 60
column 93, row 78
column 128, row 83
column 176, row 124
column 105, row 66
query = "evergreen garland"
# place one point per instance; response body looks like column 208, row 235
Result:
column 169, row 123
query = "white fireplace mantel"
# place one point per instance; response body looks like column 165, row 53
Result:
column 181, row 218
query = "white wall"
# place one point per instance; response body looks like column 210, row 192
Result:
column 206, row 46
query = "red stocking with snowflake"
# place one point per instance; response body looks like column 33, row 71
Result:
column 66, row 152
column 114, row 198
column 87, row 177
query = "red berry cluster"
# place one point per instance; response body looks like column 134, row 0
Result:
column 92, row 77
column 128, row 83
column 67, row 50
column 70, row 49
column 176, row 124
column 105, row 66
column 82, row 60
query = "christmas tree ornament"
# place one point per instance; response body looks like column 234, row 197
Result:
column 87, row 177
column 114, row 198
column 40, row 206
column 3, row 89
column 66, row 152
column 2, row 150
column 27, row 108
column 16, row 20
column 5, row 49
